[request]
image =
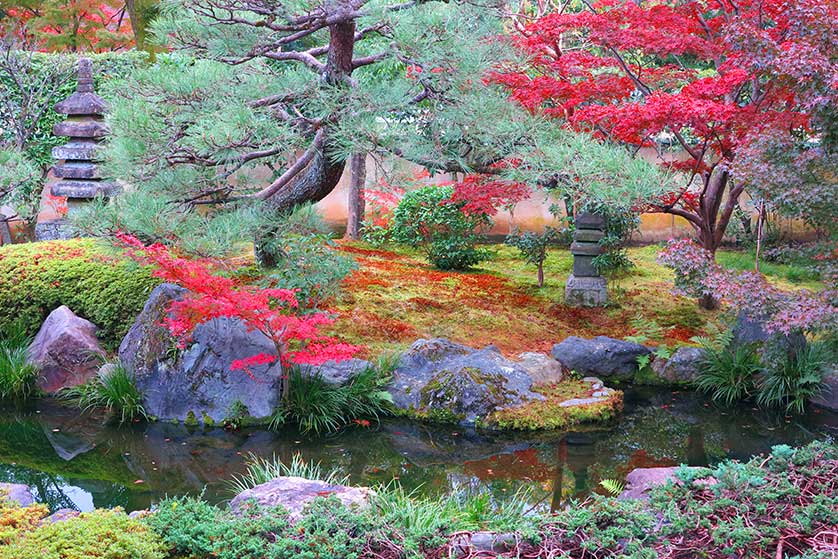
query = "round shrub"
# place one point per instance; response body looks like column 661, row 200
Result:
column 428, row 218
column 94, row 282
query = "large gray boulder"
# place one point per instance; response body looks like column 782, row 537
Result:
column 337, row 373
column 542, row 368
column 65, row 350
column 16, row 493
column 444, row 381
column 751, row 330
column 601, row 357
column 829, row 397
column 197, row 383
column 296, row 493
column 681, row 368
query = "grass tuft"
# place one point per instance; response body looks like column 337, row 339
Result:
column 112, row 389
column 17, row 375
column 261, row 470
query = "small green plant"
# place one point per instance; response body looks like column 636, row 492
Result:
column 793, row 379
column 17, row 375
column 317, row 406
column 261, row 470
column 727, row 370
column 113, row 389
column 533, row 247
column 612, row 486
column 426, row 217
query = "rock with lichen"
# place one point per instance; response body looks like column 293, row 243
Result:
column 439, row 380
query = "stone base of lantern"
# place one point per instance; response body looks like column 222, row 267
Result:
column 53, row 230
column 586, row 291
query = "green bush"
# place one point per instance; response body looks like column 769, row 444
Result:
column 106, row 289
column 794, row 378
column 727, row 371
column 426, row 218
column 112, row 389
column 533, row 247
column 316, row 406
column 102, row 534
column 17, row 374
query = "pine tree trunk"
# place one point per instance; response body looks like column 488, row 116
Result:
column 358, row 176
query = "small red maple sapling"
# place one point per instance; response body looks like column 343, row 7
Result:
column 296, row 336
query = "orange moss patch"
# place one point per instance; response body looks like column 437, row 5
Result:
column 401, row 298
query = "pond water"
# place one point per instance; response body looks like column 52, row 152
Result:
column 78, row 462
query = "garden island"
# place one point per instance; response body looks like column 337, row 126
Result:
column 361, row 279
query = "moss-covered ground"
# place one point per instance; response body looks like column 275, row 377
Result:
column 395, row 297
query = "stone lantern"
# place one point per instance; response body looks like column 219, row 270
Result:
column 76, row 175
column 585, row 287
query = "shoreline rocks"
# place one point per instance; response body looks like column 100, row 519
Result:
column 65, row 350
column 602, row 357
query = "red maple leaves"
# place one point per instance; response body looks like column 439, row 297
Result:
column 297, row 336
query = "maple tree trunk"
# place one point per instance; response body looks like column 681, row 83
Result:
column 358, row 177
column 541, row 275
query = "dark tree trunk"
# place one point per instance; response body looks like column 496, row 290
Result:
column 358, row 177
column 540, row 275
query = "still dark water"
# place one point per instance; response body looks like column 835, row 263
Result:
column 78, row 462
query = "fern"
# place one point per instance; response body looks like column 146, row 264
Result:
column 612, row 486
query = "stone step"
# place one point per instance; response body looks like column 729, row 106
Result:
column 81, row 129
column 76, row 170
column 78, row 150
column 84, row 189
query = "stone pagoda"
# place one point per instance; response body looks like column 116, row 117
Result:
column 585, row 287
column 76, row 175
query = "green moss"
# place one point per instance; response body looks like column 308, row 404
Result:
column 208, row 421
column 100, row 534
column 191, row 419
column 239, row 416
column 96, row 284
column 549, row 414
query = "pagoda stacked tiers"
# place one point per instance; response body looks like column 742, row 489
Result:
column 76, row 168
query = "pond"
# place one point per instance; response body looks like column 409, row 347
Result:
column 78, row 462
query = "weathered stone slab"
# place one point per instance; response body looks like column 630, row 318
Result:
column 584, row 249
column 337, row 372
column 586, row 220
column 296, row 493
column 583, row 267
column 81, row 129
column 84, row 189
column 588, row 235
column 79, row 104
column 640, row 481
column 586, row 291
column 76, row 170
column 82, row 150
column 681, row 368
column 65, row 350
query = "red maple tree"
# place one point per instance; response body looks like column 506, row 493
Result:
column 705, row 77
column 296, row 336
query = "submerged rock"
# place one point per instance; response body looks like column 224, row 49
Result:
column 448, row 382
column 65, row 350
column 196, row 384
column 295, row 493
column 602, row 357
column 16, row 493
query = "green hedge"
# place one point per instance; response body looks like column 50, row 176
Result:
column 92, row 280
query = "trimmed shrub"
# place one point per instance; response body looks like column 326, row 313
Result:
column 91, row 280
column 428, row 218
column 102, row 534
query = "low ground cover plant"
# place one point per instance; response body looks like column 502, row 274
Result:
column 780, row 505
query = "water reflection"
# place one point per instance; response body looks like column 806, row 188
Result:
column 77, row 462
